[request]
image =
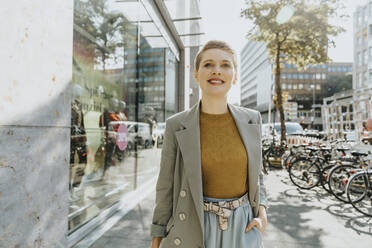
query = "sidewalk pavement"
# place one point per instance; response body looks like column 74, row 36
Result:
column 297, row 218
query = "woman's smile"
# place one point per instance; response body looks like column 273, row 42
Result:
column 216, row 81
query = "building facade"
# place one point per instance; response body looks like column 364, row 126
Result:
column 87, row 84
column 304, row 89
column 256, row 78
column 362, row 34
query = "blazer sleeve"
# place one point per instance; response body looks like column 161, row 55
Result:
column 263, row 193
column 164, row 187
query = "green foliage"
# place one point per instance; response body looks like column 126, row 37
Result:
column 105, row 28
column 305, row 38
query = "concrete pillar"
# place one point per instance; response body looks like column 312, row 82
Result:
column 36, row 66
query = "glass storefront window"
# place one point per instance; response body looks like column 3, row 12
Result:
column 123, row 88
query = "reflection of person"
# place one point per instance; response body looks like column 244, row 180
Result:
column 208, row 194
column 105, row 119
column 367, row 131
column 78, row 135
column 120, row 111
column 369, row 125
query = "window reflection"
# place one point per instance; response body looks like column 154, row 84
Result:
column 123, row 88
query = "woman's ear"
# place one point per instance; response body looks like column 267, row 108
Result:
column 235, row 78
column 196, row 75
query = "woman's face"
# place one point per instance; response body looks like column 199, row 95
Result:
column 216, row 73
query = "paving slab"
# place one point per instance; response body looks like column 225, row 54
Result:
column 297, row 218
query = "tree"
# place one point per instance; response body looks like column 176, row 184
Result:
column 303, row 39
column 105, row 27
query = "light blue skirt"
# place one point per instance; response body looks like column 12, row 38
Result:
column 235, row 235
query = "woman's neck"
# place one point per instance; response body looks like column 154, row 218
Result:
column 214, row 105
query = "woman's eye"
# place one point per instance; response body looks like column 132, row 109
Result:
column 226, row 65
column 207, row 64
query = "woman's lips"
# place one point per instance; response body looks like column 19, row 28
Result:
column 215, row 81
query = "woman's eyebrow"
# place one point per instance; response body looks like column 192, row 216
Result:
column 208, row 60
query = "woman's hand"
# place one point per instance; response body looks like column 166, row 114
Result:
column 260, row 222
column 156, row 242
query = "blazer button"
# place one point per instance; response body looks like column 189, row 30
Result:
column 183, row 193
column 177, row 241
column 182, row 216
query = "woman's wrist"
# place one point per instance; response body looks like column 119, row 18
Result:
column 156, row 242
column 262, row 214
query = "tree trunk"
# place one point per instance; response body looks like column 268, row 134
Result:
column 278, row 90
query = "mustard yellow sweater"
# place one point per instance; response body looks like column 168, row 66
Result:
column 223, row 157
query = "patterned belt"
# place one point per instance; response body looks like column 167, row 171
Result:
column 224, row 209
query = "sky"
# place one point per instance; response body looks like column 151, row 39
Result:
column 224, row 23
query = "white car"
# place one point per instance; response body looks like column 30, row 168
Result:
column 158, row 132
column 292, row 128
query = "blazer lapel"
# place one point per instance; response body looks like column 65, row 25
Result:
column 189, row 143
column 250, row 134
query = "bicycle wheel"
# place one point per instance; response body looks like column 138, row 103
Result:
column 304, row 173
column 337, row 180
column 359, row 192
column 274, row 155
column 323, row 180
column 265, row 162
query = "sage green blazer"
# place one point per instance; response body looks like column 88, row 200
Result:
column 178, row 214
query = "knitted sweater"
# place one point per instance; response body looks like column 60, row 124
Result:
column 223, row 156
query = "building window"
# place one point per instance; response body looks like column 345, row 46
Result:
column 295, row 86
column 318, row 76
column 318, row 86
column 289, row 86
column 284, row 75
column 289, row 75
column 300, row 86
column 294, row 75
column 359, row 59
column 306, row 76
column 365, row 76
column 324, row 66
column 365, row 57
column 323, row 76
column 284, row 86
column 300, row 76
column 360, row 80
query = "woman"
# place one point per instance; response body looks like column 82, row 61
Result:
column 210, row 190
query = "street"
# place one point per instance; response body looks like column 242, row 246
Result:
column 296, row 218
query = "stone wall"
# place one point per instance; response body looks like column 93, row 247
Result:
column 36, row 72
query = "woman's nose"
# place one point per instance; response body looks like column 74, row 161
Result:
column 216, row 71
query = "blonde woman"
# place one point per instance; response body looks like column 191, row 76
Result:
column 210, row 190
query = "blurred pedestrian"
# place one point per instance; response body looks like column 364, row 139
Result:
column 369, row 125
column 210, row 190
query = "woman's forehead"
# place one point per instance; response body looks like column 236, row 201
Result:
column 216, row 55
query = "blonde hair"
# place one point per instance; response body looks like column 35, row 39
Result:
column 215, row 44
